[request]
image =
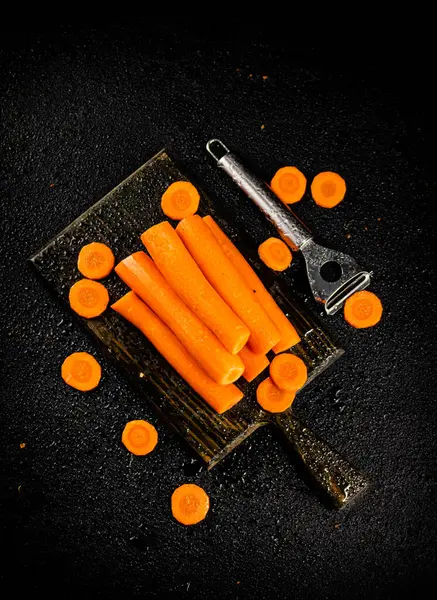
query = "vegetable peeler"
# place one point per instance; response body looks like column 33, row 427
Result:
column 333, row 276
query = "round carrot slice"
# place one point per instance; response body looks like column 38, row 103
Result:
column 81, row 371
column 95, row 260
column 180, row 200
column 275, row 254
column 363, row 309
column 273, row 399
column 328, row 189
column 189, row 504
column 139, row 437
column 288, row 372
column 289, row 184
column 88, row 298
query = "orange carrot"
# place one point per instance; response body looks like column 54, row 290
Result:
column 88, row 298
column 273, row 399
column 139, row 437
column 219, row 397
column 81, row 371
column 289, row 184
column 189, row 504
column 142, row 276
column 95, row 260
column 254, row 364
column 289, row 336
column 328, row 189
column 288, row 372
column 226, row 280
column 182, row 273
column 275, row 254
column 363, row 309
column 180, row 200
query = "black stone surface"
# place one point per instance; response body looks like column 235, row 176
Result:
column 79, row 111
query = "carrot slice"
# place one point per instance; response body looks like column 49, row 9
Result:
column 95, row 260
column 289, row 184
column 88, row 298
column 254, row 364
column 81, row 371
column 140, row 273
column 219, row 397
column 226, row 280
column 288, row 372
column 275, row 254
column 328, row 189
column 189, row 504
column 182, row 273
column 289, row 335
column 273, row 399
column 363, row 309
column 139, row 437
column 180, row 200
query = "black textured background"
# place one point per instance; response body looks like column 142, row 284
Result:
column 79, row 111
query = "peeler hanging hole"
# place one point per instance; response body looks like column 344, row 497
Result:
column 217, row 149
column 331, row 271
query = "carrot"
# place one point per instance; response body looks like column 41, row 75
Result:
column 226, row 280
column 328, row 189
column 275, row 254
column 139, row 272
column 182, row 273
column 81, row 371
column 289, row 184
column 139, row 437
column 88, row 298
column 95, row 260
column 273, row 399
column 288, row 372
column 180, row 200
column 289, row 336
column 189, row 504
column 363, row 309
column 219, row 397
column 254, row 364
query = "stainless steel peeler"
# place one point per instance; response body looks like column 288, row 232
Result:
column 333, row 275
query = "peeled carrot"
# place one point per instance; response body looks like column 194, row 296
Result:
column 275, row 254
column 81, row 371
column 88, row 298
column 219, row 397
column 139, row 437
column 189, row 504
column 289, row 184
column 182, row 273
column 95, row 260
column 139, row 272
column 273, row 399
column 363, row 309
column 180, row 200
column 288, row 372
column 328, row 189
column 227, row 281
column 254, row 364
column 289, row 336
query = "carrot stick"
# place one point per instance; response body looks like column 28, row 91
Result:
column 289, row 184
column 219, row 397
column 254, row 364
column 181, row 199
column 189, row 504
column 363, row 309
column 81, row 371
column 95, row 260
column 182, row 273
column 139, row 437
column 288, row 372
column 328, row 189
column 289, row 336
column 227, row 281
column 275, row 254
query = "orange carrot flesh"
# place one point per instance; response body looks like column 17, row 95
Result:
column 180, row 200
column 254, row 364
column 139, row 437
column 288, row 372
column 184, row 276
column 227, row 281
column 81, row 371
column 88, row 298
column 289, row 335
column 219, row 397
column 289, row 184
column 328, row 189
column 363, row 309
column 189, row 504
column 95, row 260
column 275, row 254
column 273, row 399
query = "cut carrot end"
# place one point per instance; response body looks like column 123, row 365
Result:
column 271, row 398
column 363, row 309
column 289, row 184
column 189, row 504
column 95, row 260
column 88, row 298
column 81, row 371
column 288, row 372
column 139, row 437
column 328, row 189
column 180, row 200
column 254, row 364
column 275, row 254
